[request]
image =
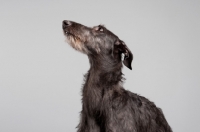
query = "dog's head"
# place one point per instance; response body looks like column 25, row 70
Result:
column 96, row 41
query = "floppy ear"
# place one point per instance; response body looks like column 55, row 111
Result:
column 128, row 56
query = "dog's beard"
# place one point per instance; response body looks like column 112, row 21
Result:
column 76, row 42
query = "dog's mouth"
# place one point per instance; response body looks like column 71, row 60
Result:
column 75, row 40
column 71, row 35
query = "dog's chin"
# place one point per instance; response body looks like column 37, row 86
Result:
column 75, row 43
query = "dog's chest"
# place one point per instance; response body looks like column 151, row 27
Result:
column 92, row 96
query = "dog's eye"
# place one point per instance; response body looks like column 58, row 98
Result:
column 100, row 29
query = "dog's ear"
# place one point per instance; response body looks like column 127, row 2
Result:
column 128, row 56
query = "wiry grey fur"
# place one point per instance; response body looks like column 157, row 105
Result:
column 106, row 105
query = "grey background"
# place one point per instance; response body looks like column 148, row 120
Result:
column 41, row 75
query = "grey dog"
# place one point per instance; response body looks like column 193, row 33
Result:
column 106, row 105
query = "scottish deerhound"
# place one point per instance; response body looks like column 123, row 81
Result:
column 106, row 105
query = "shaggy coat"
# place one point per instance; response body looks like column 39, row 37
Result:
column 106, row 105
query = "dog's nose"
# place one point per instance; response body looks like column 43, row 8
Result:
column 66, row 23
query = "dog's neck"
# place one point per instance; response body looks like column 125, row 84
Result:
column 104, row 77
column 105, row 71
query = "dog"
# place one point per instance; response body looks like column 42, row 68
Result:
column 106, row 105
